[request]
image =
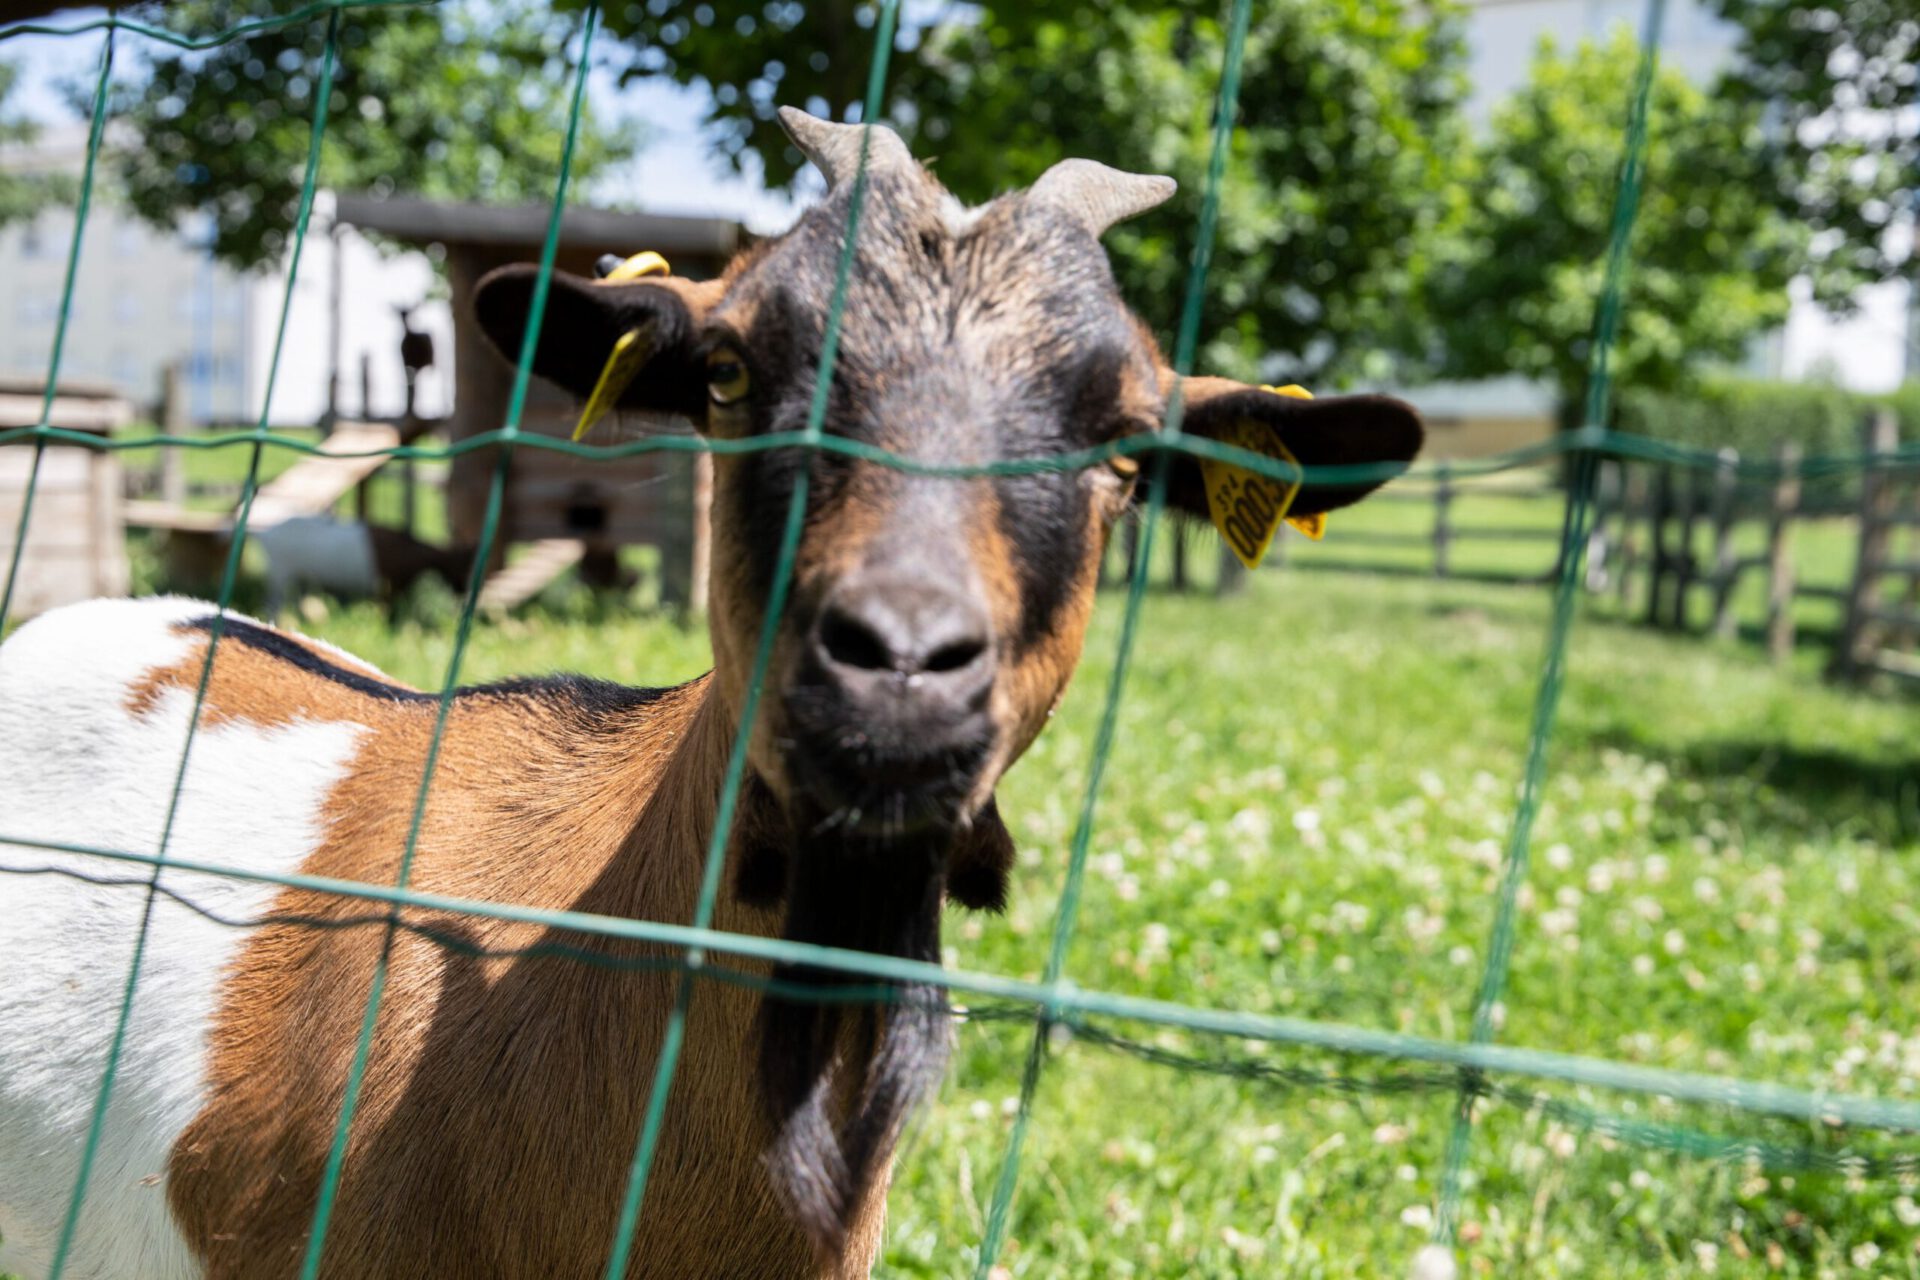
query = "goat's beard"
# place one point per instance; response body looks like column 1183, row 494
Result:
column 840, row 1077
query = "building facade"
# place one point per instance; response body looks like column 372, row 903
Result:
column 142, row 299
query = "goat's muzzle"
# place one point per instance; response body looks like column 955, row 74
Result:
column 889, row 708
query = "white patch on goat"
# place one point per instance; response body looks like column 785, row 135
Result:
column 77, row 766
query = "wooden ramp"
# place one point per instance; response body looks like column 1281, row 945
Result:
column 146, row 513
column 530, row 573
column 311, row 487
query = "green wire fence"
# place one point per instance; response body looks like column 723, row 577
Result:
column 1471, row 1069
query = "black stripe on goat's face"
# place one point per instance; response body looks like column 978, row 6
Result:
column 934, row 620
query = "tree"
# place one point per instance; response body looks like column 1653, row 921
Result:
column 1336, row 192
column 22, row 194
column 449, row 102
column 753, row 59
column 1711, row 255
column 1338, row 186
column 1838, row 83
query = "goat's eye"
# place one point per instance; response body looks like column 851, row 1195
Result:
column 727, row 380
column 1124, row 465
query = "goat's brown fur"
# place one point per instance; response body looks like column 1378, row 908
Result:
column 541, row 1063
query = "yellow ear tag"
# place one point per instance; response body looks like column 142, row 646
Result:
column 648, row 263
column 1247, row 508
column 629, row 354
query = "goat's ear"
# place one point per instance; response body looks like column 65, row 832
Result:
column 583, row 320
column 1334, row 431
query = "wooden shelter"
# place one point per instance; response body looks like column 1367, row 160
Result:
column 76, row 543
column 552, row 498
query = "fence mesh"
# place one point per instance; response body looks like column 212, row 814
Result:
column 1816, row 1130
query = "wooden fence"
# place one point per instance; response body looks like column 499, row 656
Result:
column 1881, row 632
column 1673, row 545
column 1438, row 540
column 1664, row 536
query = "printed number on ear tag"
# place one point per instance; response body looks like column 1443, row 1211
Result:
column 629, row 354
column 1246, row 507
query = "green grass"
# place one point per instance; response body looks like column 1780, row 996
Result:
column 1305, row 814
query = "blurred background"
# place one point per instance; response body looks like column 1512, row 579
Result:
column 1313, row 789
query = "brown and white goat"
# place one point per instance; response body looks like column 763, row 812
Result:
column 933, row 624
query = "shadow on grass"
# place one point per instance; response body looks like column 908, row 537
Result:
column 1812, row 791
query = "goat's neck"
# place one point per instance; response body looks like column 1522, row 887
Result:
column 673, row 762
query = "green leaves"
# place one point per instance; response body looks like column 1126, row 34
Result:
column 1336, row 191
column 1711, row 254
column 24, row 194
column 1836, row 80
column 427, row 101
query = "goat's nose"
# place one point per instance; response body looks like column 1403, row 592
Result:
column 881, row 630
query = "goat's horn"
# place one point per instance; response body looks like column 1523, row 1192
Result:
column 835, row 148
column 1096, row 196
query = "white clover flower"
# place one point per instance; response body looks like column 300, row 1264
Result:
column 1251, row 824
column 1245, row 1245
column 1434, row 1262
column 1350, row 916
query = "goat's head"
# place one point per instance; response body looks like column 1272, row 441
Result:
column 934, row 621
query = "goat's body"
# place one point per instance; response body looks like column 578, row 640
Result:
column 318, row 553
column 504, row 1091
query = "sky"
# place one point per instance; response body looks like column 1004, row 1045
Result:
column 675, row 172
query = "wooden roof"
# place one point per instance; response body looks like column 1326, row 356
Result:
column 76, row 406
column 436, row 222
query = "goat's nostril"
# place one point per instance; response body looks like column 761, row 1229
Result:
column 955, row 655
column 852, row 643
column 904, row 629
